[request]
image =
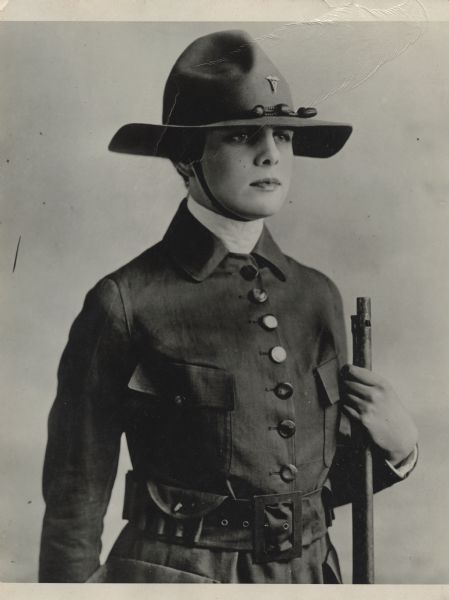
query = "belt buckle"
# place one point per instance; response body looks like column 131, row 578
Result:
column 261, row 553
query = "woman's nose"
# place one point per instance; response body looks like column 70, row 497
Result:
column 267, row 152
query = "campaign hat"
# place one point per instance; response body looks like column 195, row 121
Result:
column 223, row 80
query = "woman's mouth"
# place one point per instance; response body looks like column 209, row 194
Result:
column 267, row 184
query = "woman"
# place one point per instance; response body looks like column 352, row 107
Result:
column 219, row 357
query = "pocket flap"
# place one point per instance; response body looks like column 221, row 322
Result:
column 183, row 503
column 328, row 375
column 186, row 385
column 200, row 386
column 140, row 382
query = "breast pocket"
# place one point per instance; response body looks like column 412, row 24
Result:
column 327, row 376
column 189, row 420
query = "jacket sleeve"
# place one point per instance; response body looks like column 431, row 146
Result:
column 343, row 475
column 347, row 464
column 84, row 431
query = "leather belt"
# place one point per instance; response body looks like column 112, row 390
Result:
column 273, row 526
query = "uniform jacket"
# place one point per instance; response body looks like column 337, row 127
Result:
column 175, row 350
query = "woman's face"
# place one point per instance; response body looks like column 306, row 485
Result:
column 248, row 170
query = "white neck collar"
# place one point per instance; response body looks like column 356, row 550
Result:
column 238, row 236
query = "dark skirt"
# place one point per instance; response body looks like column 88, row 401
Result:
column 138, row 558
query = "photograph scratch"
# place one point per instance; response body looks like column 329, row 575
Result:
column 16, row 255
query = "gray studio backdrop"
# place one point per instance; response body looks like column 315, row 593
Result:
column 374, row 218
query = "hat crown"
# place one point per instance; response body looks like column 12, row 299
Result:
column 225, row 79
column 220, row 77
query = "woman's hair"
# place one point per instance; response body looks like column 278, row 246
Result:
column 183, row 175
column 186, row 147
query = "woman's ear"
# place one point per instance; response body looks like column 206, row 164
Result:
column 185, row 169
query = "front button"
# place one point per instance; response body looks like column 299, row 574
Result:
column 288, row 473
column 269, row 322
column 179, row 400
column 283, row 390
column 286, row 428
column 258, row 295
column 249, row 272
column 278, row 354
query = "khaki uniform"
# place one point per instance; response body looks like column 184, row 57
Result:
column 223, row 372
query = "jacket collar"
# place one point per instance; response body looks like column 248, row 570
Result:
column 199, row 252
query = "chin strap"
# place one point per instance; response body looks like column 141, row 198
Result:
column 199, row 173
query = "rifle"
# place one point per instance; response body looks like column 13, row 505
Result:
column 362, row 505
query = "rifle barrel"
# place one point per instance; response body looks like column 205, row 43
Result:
column 362, row 505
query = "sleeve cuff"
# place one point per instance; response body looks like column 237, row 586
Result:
column 406, row 466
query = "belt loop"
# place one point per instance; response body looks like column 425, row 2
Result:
column 135, row 502
column 192, row 530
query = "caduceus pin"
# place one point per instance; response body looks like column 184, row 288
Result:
column 273, row 81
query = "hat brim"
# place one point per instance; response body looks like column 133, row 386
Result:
column 317, row 139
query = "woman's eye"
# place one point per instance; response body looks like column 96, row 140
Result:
column 239, row 138
column 283, row 136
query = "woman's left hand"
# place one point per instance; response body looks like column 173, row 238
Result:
column 372, row 401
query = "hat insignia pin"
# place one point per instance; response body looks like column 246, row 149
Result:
column 273, row 81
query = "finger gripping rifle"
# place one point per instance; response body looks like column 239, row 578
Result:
column 362, row 504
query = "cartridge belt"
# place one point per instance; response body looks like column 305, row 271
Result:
column 271, row 526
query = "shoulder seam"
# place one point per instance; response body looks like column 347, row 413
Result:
column 309, row 269
column 127, row 320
